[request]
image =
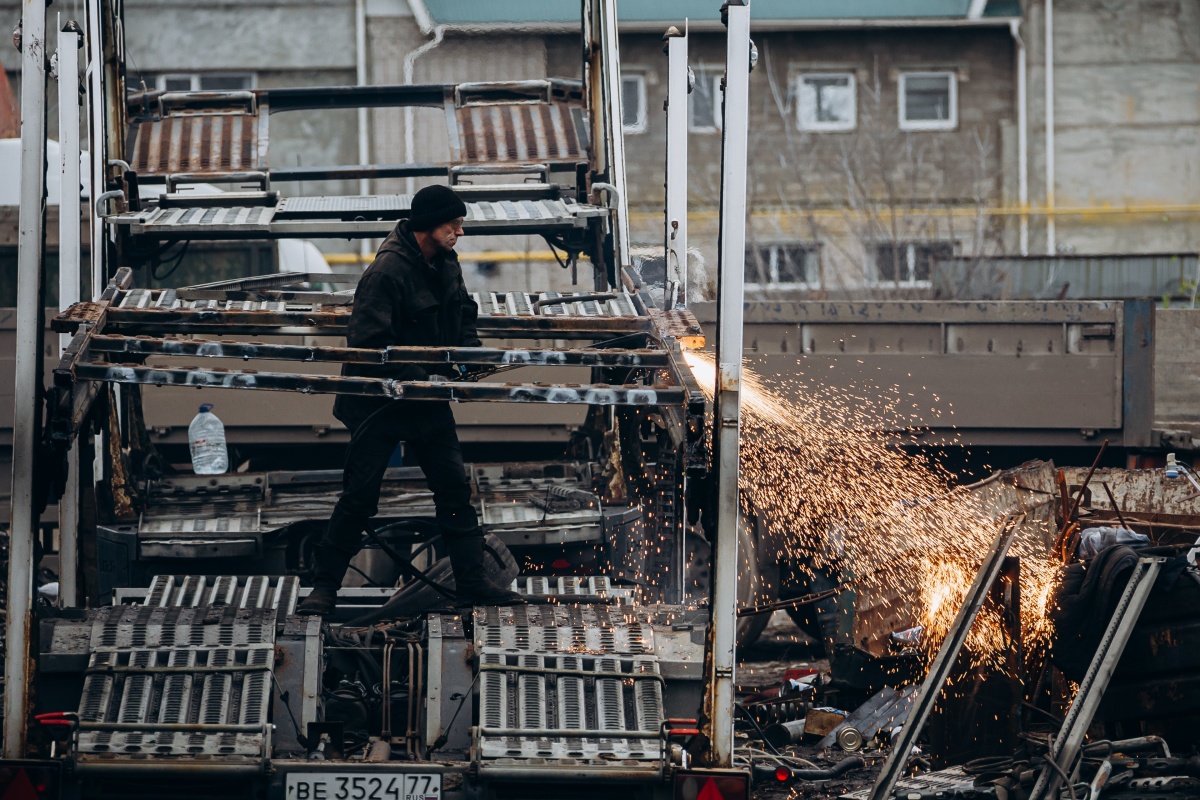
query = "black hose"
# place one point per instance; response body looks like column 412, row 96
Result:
column 843, row 766
column 406, row 565
column 767, row 771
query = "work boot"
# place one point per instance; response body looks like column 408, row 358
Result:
column 320, row 601
column 472, row 586
column 329, row 566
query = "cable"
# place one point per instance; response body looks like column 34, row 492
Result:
column 370, row 581
column 407, row 567
column 758, row 728
column 284, row 696
column 1066, row 778
column 175, row 262
column 440, row 742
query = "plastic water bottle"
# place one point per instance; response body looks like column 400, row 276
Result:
column 207, row 437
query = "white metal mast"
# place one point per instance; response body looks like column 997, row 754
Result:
column 678, row 88
column 30, row 255
column 730, row 284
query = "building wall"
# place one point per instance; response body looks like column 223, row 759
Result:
column 844, row 191
column 1127, row 112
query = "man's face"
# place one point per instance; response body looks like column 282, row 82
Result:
column 445, row 236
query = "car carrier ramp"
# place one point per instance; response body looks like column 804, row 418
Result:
column 566, row 686
column 185, row 675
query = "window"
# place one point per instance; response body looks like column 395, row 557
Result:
column 633, row 103
column 909, row 263
column 928, row 101
column 704, row 103
column 826, row 102
column 206, row 81
column 783, row 266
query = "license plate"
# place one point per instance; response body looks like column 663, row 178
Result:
column 360, row 786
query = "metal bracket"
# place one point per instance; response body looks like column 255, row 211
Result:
column 1064, row 753
column 992, row 565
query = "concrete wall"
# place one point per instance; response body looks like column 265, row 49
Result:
column 1177, row 370
column 799, row 181
column 1127, row 109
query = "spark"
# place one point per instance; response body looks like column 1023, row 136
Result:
column 818, row 470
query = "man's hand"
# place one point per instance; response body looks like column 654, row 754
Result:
column 472, row 372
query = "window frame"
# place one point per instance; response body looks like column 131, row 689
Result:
column 927, row 124
column 909, row 249
column 640, row 125
column 810, row 250
column 194, row 78
column 827, row 127
column 715, row 75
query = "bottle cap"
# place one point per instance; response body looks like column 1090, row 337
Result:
column 205, row 408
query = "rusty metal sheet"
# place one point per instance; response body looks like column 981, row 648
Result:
column 588, row 357
column 520, row 132
column 197, row 143
column 589, row 394
column 1141, row 491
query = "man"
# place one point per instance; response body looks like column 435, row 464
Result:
column 412, row 294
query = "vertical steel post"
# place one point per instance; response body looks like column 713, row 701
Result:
column 677, row 164
column 69, row 257
column 616, row 137
column 603, row 73
column 106, row 105
column 730, row 281
column 30, row 298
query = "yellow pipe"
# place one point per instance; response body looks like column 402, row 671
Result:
column 953, row 211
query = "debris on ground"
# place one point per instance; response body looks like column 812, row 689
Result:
column 1102, row 704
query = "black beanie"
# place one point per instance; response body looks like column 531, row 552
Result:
column 434, row 205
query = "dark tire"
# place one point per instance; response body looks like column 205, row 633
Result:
column 752, row 589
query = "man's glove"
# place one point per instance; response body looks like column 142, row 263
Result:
column 472, row 372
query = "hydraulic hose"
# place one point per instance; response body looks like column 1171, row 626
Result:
column 771, row 772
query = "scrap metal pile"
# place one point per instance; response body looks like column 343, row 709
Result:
column 1106, row 709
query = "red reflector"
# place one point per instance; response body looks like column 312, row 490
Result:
column 20, row 788
column 712, row 785
column 783, row 774
column 28, row 779
column 560, row 563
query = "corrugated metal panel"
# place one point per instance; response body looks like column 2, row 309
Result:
column 199, row 143
column 1066, row 277
column 519, row 133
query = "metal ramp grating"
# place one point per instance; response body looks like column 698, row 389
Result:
column 594, row 629
column 567, row 585
column 947, row 783
column 178, row 681
column 560, row 683
column 323, row 216
column 278, row 594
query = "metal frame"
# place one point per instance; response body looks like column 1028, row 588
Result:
column 677, row 165
column 935, row 679
column 22, row 531
column 726, row 432
column 1063, row 758
column 69, row 282
column 128, row 325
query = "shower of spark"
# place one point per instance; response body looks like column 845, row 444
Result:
column 817, row 469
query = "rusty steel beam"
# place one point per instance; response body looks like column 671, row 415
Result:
column 330, row 322
column 584, row 357
column 588, row 394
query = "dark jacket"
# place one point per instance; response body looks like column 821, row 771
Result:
column 402, row 299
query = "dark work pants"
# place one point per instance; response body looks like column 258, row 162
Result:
column 429, row 431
